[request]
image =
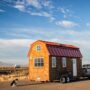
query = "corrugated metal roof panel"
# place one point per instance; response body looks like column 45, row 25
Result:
column 57, row 49
column 63, row 51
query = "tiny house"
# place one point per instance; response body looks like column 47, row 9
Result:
column 50, row 61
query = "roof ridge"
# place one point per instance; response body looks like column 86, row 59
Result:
column 58, row 44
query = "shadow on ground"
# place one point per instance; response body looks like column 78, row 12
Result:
column 39, row 83
column 34, row 83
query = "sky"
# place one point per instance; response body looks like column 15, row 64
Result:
column 24, row 21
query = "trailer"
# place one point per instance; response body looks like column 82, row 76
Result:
column 50, row 61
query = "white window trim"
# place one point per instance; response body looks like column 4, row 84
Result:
column 37, row 48
column 37, row 58
column 53, row 62
column 64, row 62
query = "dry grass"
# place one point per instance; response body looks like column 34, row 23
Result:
column 4, row 78
column 21, row 73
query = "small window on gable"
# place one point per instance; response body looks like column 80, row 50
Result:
column 64, row 63
column 53, row 62
column 38, row 47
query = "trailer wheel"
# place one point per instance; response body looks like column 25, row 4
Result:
column 63, row 79
column 68, row 79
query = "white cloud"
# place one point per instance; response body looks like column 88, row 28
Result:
column 66, row 24
column 36, row 14
column 41, row 8
column 44, row 14
column 82, row 35
column 34, row 3
column 15, row 42
column 25, row 6
column 65, row 11
column 47, row 4
column 40, row 4
column 62, row 10
column 1, row 10
column 15, row 50
column 20, row 7
column 28, row 32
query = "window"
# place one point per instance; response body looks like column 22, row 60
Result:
column 38, row 48
column 53, row 62
column 64, row 62
column 38, row 62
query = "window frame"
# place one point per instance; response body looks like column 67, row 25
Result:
column 38, row 48
column 64, row 62
column 54, row 62
column 38, row 62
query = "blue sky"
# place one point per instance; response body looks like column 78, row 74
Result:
column 24, row 21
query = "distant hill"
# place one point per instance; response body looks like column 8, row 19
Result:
column 3, row 64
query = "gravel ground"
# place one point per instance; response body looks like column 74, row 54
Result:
column 28, row 85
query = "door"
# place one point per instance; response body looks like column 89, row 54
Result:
column 74, row 64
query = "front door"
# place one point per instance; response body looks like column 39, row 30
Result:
column 74, row 62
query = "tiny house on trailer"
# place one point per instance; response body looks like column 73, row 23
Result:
column 50, row 61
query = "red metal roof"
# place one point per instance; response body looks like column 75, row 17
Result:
column 63, row 51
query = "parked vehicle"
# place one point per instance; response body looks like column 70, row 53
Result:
column 17, row 66
column 86, row 70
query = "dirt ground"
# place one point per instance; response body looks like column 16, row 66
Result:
column 28, row 85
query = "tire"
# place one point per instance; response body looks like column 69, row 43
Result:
column 63, row 79
column 68, row 79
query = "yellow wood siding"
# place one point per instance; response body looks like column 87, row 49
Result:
column 39, row 72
